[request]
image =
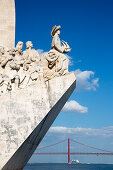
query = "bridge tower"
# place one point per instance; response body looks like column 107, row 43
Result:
column 68, row 151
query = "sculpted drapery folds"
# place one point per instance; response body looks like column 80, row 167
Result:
column 31, row 69
column 10, row 66
column 55, row 63
column 19, row 69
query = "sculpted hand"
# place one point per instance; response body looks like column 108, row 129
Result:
column 10, row 58
column 67, row 47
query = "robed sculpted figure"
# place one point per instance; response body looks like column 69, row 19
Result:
column 31, row 68
column 19, row 69
column 55, row 63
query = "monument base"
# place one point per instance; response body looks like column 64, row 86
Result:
column 27, row 114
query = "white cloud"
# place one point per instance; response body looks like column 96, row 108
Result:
column 70, row 59
column 95, row 82
column 73, row 106
column 68, row 130
column 106, row 132
column 41, row 52
column 86, row 80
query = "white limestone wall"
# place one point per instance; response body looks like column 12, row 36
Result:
column 7, row 23
column 21, row 111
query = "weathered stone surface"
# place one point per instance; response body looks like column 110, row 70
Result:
column 7, row 23
column 21, row 157
column 58, row 86
column 23, row 110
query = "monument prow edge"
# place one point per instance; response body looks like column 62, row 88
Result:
column 25, row 151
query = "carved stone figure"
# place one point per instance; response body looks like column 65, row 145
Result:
column 56, row 43
column 17, row 63
column 31, row 67
column 20, row 69
column 55, row 63
column 30, row 54
column 11, row 62
column 7, row 72
column 17, row 69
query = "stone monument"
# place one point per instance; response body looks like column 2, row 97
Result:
column 33, row 90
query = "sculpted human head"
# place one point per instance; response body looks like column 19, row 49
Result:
column 2, row 50
column 12, row 51
column 29, row 44
column 55, row 30
column 19, row 46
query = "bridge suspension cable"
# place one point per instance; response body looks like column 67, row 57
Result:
column 106, row 152
column 89, row 146
column 73, row 140
column 52, row 145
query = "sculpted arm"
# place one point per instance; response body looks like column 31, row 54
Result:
column 57, row 44
column 4, row 62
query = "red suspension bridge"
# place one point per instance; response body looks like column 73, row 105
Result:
column 100, row 151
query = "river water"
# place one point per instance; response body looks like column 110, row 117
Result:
column 64, row 166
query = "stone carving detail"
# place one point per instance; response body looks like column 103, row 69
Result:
column 55, row 63
column 20, row 69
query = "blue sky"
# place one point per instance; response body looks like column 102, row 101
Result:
column 87, row 26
